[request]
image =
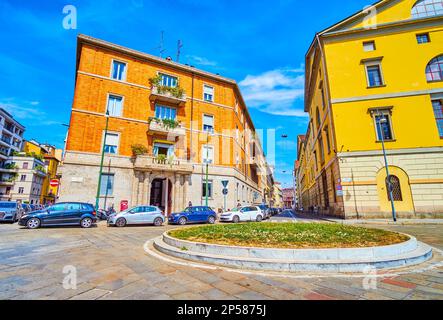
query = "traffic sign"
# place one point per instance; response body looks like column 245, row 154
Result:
column 225, row 183
column 54, row 183
column 225, row 191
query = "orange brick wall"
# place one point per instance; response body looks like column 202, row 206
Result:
column 91, row 92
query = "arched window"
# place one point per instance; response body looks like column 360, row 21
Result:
column 427, row 8
column 396, row 188
column 317, row 115
column 434, row 69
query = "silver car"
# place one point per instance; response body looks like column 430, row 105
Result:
column 137, row 215
column 10, row 211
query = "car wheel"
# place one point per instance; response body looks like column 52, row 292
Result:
column 182, row 221
column 33, row 223
column 86, row 223
column 158, row 222
column 235, row 219
column 121, row 222
column 259, row 218
column 211, row 220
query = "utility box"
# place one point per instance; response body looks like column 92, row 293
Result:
column 124, row 205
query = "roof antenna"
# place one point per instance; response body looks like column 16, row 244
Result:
column 161, row 48
column 179, row 46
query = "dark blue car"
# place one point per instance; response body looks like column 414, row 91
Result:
column 198, row 214
column 63, row 213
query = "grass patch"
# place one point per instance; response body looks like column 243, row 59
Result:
column 289, row 235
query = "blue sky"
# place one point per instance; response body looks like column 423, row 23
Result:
column 260, row 44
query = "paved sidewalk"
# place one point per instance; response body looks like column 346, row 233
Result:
column 386, row 221
column 111, row 263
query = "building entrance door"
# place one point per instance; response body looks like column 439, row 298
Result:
column 161, row 195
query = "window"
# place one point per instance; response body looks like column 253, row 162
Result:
column 208, row 154
column 374, row 75
column 328, row 142
column 58, row 207
column 423, row 38
column 118, row 71
column 322, row 91
column 369, row 46
column 321, row 148
column 107, row 184
column 209, row 189
column 427, row 8
column 23, row 177
column 115, row 105
column 208, row 93
column 73, row 206
column 163, row 149
column 111, row 143
column 434, row 69
column 383, row 125
column 437, row 105
column 25, row 165
column 21, row 190
column 394, row 183
column 163, row 112
column 317, row 117
column 208, row 123
column 168, row 81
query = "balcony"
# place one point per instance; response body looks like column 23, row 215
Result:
column 157, row 126
column 152, row 163
column 167, row 94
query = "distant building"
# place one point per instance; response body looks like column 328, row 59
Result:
column 278, row 195
column 11, row 139
column 288, row 198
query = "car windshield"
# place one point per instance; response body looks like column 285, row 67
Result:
column 7, row 205
column 236, row 209
column 188, row 209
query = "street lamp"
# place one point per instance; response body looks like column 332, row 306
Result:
column 207, row 165
column 388, row 177
column 97, row 199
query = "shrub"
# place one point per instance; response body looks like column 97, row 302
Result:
column 139, row 149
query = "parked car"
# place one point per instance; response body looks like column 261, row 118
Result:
column 26, row 208
column 63, row 213
column 240, row 214
column 197, row 214
column 274, row 211
column 265, row 211
column 137, row 215
column 10, row 211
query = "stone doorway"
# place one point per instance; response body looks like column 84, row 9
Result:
column 161, row 190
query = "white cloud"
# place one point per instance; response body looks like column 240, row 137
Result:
column 35, row 103
column 201, row 61
column 287, row 144
column 22, row 112
column 276, row 91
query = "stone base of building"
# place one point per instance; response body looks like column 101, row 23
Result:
column 145, row 181
column 359, row 189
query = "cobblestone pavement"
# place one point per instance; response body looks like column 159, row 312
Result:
column 112, row 264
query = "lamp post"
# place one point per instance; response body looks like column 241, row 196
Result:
column 97, row 199
column 207, row 167
column 388, row 178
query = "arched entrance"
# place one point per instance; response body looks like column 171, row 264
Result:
column 401, row 190
column 161, row 190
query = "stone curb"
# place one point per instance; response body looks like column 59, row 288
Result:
column 295, row 254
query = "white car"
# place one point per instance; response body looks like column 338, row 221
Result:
column 137, row 215
column 246, row 213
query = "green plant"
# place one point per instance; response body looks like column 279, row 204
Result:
column 40, row 168
column 161, row 158
column 176, row 91
column 11, row 165
column 168, row 124
column 139, row 149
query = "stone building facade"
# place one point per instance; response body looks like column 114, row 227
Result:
column 161, row 125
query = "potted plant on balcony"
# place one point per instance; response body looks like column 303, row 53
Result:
column 156, row 82
column 138, row 150
column 168, row 124
column 161, row 159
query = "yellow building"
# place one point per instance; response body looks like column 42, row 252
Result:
column 375, row 76
column 51, row 158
